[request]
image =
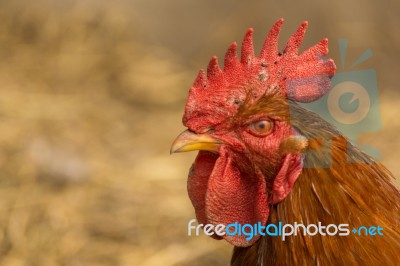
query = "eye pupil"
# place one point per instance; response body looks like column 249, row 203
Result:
column 261, row 125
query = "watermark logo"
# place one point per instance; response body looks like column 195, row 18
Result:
column 281, row 230
column 352, row 104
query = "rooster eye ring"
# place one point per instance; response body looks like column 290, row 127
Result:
column 260, row 128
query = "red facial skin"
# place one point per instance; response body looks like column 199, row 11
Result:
column 246, row 176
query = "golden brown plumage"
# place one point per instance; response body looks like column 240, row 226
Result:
column 360, row 193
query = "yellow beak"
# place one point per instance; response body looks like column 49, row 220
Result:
column 189, row 141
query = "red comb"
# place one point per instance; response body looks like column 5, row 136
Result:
column 301, row 77
column 279, row 67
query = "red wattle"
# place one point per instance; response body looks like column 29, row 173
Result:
column 227, row 196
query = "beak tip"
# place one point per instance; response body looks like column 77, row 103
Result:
column 174, row 149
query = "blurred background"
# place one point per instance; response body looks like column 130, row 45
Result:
column 91, row 97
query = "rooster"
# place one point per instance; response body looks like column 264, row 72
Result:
column 262, row 155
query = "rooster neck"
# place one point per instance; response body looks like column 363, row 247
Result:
column 357, row 194
column 350, row 194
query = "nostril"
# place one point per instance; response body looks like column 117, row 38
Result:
column 206, row 130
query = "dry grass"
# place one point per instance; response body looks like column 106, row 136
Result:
column 86, row 178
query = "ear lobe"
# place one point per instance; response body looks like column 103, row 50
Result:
column 286, row 177
column 293, row 144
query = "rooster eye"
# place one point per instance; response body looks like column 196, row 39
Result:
column 260, row 128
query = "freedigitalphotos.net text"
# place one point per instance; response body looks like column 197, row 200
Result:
column 282, row 230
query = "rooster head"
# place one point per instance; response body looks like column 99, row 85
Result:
column 238, row 118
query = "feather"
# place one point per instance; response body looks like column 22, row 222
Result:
column 358, row 194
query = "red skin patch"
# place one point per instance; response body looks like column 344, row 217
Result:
column 221, row 194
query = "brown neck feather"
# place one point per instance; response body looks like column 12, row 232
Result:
column 359, row 194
